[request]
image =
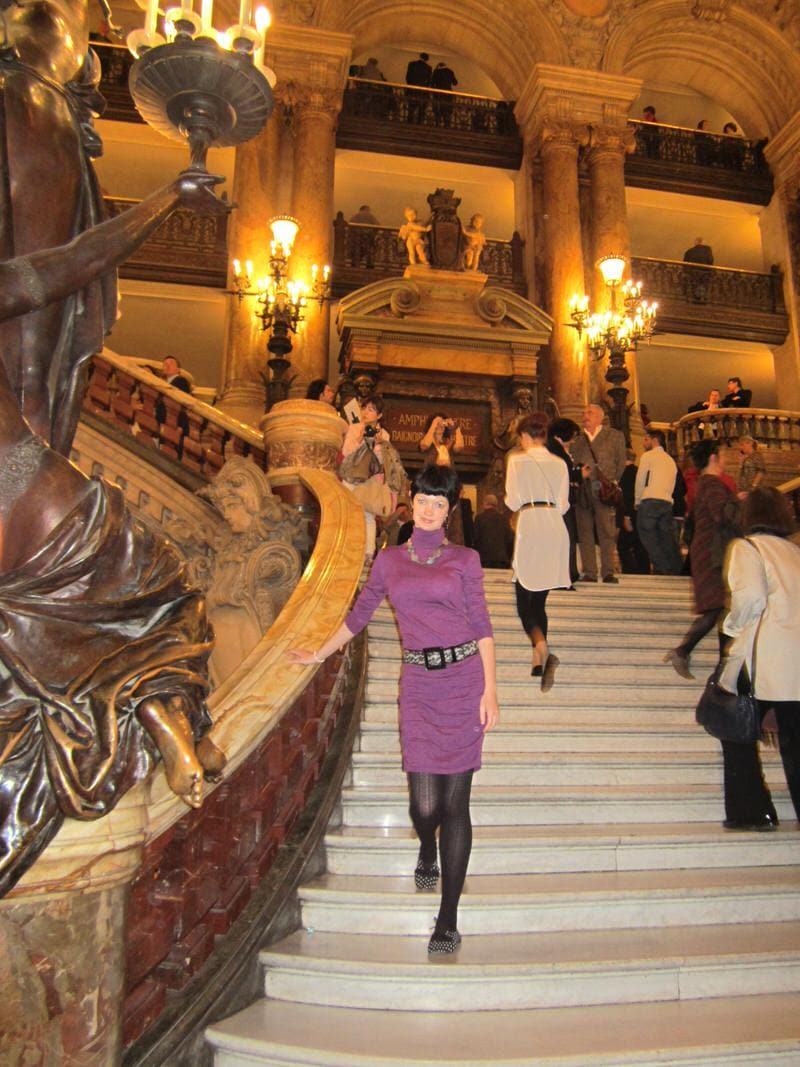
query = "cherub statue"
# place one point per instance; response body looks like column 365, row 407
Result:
column 476, row 241
column 411, row 234
column 247, row 569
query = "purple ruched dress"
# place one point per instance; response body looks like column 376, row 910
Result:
column 436, row 606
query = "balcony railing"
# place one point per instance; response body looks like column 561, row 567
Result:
column 698, row 163
column 429, row 123
column 187, row 248
column 364, row 254
column 715, row 301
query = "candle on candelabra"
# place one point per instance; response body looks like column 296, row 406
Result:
column 244, row 12
column 263, row 22
column 151, row 16
column 206, row 12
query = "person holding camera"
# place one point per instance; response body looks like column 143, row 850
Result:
column 441, row 440
column 370, row 467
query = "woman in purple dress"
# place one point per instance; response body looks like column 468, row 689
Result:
column 448, row 693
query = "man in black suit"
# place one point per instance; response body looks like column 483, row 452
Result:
column 736, row 396
column 171, row 371
column 443, row 78
column 418, row 72
column 711, row 404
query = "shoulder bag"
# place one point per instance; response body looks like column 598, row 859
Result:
column 730, row 716
column 609, row 492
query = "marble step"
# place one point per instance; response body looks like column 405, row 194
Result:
column 562, row 848
column 758, row 1031
column 543, row 805
column 524, row 904
column 584, row 705
column 501, row 769
column 558, row 736
column 649, row 617
column 549, row 970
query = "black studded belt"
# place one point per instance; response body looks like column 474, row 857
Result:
column 436, row 659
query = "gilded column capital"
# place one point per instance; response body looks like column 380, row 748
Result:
column 610, row 140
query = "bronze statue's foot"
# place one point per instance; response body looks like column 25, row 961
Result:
column 170, row 730
column 211, row 757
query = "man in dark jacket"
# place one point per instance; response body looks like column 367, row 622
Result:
column 418, row 72
column 736, row 396
column 494, row 539
column 443, row 78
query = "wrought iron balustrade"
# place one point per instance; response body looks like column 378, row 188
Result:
column 704, row 164
column 431, row 123
column 715, row 301
column 187, row 248
column 364, row 254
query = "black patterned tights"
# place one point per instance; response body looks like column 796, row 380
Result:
column 441, row 801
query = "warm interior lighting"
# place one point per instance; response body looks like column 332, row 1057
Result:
column 284, row 230
column 612, row 268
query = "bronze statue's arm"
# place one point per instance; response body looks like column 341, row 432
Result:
column 31, row 282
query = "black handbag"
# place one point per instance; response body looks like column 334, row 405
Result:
column 729, row 716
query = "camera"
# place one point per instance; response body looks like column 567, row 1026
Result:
column 370, row 431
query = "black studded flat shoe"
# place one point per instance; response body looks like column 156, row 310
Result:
column 426, row 876
column 443, row 942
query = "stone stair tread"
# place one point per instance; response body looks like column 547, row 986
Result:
column 608, row 833
column 492, row 953
column 497, row 889
column 580, row 794
column 685, row 1033
column 564, row 759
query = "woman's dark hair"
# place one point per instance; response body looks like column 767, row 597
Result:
column 316, row 389
column 376, row 400
column 701, row 453
column 564, row 429
column 656, row 435
column 768, row 511
column 534, row 425
column 435, row 480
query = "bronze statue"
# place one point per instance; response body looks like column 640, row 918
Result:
column 103, row 645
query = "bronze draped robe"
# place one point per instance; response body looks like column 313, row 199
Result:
column 103, row 612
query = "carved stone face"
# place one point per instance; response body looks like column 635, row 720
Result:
column 410, row 214
column 476, row 222
column 239, row 509
column 524, row 399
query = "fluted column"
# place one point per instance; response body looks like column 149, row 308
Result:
column 314, row 128
column 563, row 260
column 255, row 184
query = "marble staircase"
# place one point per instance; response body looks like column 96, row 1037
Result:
column 608, row 919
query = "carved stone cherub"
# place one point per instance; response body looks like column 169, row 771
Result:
column 247, row 569
column 411, row 234
column 476, row 242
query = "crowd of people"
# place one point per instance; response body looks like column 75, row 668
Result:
column 572, row 490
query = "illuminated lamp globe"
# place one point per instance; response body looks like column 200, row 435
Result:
column 612, row 268
column 284, row 231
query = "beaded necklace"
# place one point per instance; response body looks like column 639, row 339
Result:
column 431, row 559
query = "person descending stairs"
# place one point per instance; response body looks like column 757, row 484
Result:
column 608, row 918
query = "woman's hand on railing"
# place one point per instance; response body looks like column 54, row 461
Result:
column 304, row 657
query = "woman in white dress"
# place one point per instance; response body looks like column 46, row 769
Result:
column 537, row 486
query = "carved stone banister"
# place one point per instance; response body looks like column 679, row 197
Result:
column 774, row 430
column 198, row 436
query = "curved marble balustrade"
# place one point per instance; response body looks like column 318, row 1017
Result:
column 772, row 429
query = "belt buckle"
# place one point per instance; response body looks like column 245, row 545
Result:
column 434, row 659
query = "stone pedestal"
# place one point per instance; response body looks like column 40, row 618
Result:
column 302, row 433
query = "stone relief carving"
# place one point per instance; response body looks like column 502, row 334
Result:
column 405, row 299
column 248, row 567
column 783, row 14
column 296, row 12
column 710, row 10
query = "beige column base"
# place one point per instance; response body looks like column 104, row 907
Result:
column 302, row 433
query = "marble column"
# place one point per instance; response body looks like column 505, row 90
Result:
column 255, row 184
column 563, row 261
column 314, row 128
column 780, row 229
column 608, row 217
